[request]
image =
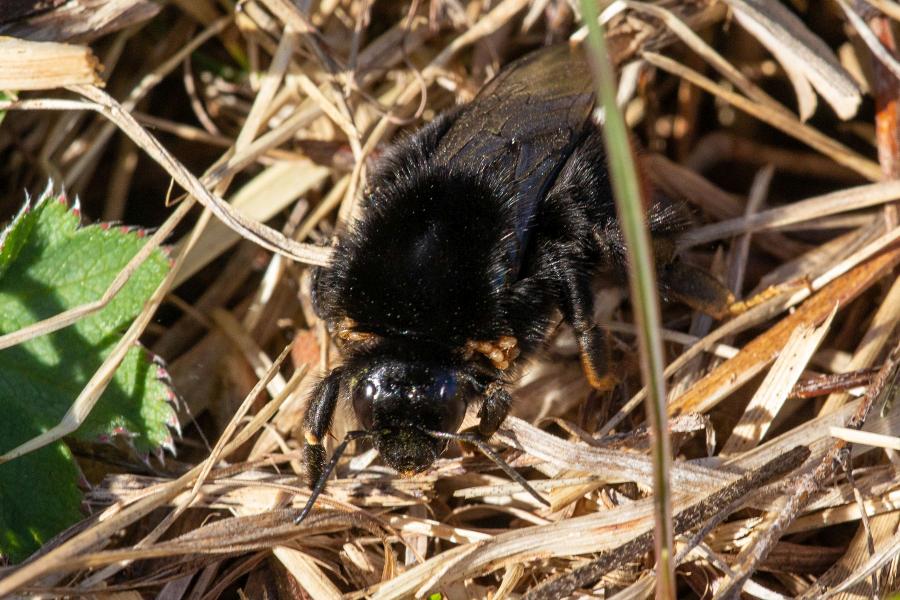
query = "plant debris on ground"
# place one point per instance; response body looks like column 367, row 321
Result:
column 237, row 136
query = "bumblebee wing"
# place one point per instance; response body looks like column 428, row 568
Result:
column 524, row 123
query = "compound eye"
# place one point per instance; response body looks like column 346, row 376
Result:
column 445, row 389
column 364, row 396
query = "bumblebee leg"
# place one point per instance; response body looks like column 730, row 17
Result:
column 317, row 421
column 494, row 409
column 578, row 308
column 696, row 288
column 596, row 359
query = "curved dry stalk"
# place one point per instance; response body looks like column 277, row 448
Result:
column 140, row 91
column 254, row 231
column 780, row 120
column 263, row 235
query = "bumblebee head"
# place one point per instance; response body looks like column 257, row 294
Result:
column 399, row 401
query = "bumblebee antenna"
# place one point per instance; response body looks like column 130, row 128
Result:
column 478, row 442
column 319, row 487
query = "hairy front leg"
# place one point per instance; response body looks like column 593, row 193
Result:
column 317, row 422
column 578, row 308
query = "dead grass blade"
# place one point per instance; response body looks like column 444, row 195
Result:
column 682, row 183
column 807, row 60
column 880, row 332
column 757, row 354
column 804, row 488
column 686, row 520
column 776, row 387
column 265, row 236
column 757, row 314
column 611, row 465
column 304, row 569
column 793, row 127
column 871, row 40
column 888, row 552
column 834, row 203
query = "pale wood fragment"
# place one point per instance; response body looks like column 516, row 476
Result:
column 26, row 65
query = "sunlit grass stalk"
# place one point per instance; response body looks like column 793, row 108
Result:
column 642, row 280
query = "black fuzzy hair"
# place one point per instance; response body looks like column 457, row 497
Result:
column 425, row 261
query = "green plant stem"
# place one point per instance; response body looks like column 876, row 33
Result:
column 642, row 280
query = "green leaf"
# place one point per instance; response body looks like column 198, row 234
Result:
column 38, row 496
column 49, row 264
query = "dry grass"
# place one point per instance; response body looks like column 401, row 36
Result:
column 270, row 114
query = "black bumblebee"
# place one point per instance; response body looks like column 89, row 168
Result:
column 475, row 231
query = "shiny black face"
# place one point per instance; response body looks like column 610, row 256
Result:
column 401, row 401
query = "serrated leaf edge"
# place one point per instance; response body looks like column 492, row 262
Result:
column 172, row 398
column 31, row 205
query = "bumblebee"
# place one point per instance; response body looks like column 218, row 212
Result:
column 476, row 232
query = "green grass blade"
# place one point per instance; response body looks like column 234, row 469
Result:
column 644, row 296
